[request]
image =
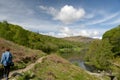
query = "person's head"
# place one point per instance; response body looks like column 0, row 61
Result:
column 7, row 49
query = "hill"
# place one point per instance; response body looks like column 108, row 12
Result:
column 48, row 44
column 22, row 56
column 54, row 67
column 106, row 52
column 79, row 39
column 113, row 36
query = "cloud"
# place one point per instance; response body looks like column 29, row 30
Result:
column 49, row 10
column 113, row 22
column 67, row 14
column 14, row 10
column 17, row 12
column 89, row 16
column 62, row 32
column 104, row 19
column 87, row 33
column 67, row 32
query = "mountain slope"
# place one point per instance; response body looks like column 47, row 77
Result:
column 106, row 53
column 79, row 39
column 54, row 67
column 33, row 40
column 22, row 56
column 113, row 36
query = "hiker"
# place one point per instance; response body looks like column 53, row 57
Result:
column 6, row 61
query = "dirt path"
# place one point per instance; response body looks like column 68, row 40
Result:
column 25, row 69
column 99, row 75
column 18, row 72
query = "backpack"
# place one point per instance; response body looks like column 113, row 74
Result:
column 9, row 61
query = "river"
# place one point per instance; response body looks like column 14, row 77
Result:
column 92, row 70
column 82, row 64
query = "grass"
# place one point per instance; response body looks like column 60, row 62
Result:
column 54, row 67
column 116, row 67
column 22, row 56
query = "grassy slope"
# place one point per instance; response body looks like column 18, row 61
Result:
column 22, row 56
column 54, row 67
column 113, row 36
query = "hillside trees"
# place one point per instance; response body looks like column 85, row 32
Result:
column 21, row 36
column 33, row 40
column 4, row 31
column 99, row 54
column 113, row 37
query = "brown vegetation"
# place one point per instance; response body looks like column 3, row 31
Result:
column 20, row 53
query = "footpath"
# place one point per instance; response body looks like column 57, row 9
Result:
column 20, row 71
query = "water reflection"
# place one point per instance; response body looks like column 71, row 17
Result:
column 83, row 65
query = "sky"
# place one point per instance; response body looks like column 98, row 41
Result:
column 63, row 18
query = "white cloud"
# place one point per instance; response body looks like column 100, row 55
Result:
column 104, row 19
column 17, row 12
column 38, row 25
column 67, row 32
column 89, row 16
column 49, row 10
column 87, row 33
column 67, row 14
column 14, row 10
column 113, row 22
column 62, row 32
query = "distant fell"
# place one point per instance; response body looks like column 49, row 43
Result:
column 79, row 39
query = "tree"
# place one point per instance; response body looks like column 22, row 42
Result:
column 113, row 37
column 99, row 54
column 4, row 30
column 21, row 36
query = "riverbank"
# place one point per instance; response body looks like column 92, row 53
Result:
column 102, row 74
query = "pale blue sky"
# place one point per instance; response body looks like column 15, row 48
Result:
column 63, row 18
